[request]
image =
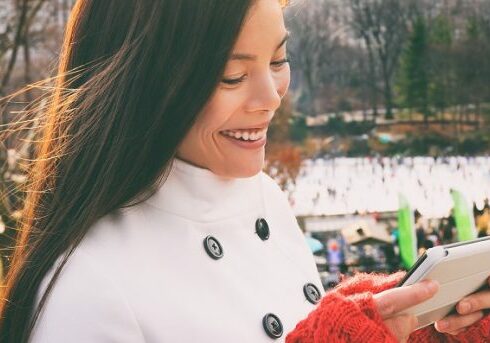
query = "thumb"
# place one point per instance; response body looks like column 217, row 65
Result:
column 402, row 326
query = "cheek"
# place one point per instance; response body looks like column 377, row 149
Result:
column 218, row 111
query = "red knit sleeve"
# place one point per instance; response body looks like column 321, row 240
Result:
column 476, row 333
column 348, row 313
column 339, row 319
column 375, row 283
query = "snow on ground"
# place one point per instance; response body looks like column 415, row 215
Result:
column 346, row 185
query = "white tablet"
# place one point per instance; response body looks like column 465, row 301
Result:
column 460, row 268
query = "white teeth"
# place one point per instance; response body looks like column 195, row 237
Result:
column 246, row 135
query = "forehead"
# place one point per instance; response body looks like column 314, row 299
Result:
column 264, row 26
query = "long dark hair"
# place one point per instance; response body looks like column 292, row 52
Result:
column 132, row 77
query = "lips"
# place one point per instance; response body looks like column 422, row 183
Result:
column 258, row 126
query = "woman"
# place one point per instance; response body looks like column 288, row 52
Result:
column 147, row 216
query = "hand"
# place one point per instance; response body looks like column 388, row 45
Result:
column 470, row 310
column 395, row 300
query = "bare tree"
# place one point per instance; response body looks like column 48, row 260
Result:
column 24, row 14
column 30, row 35
column 382, row 25
column 314, row 33
column 25, row 26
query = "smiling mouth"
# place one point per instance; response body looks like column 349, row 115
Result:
column 248, row 135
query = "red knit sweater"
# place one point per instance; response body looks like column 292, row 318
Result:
column 348, row 314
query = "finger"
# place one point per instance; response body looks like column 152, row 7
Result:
column 402, row 326
column 454, row 333
column 475, row 302
column 455, row 323
column 397, row 299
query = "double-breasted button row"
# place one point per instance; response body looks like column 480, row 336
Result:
column 271, row 323
column 215, row 250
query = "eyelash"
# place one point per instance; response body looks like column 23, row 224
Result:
column 236, row 81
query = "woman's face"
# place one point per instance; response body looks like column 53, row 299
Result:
column 229, row 135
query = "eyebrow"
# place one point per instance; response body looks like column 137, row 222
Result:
column 249, row 57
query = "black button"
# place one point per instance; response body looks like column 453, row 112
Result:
column 312, row 293
column 272, row 325
column 213, row 247
column 262, row 229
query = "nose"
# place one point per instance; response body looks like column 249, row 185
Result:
column 265, row 94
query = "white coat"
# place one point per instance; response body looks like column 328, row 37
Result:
column 143, row 274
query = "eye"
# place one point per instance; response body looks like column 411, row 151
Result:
column 280, row 63
column 234, row 81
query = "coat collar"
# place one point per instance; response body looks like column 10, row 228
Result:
column 200, row 195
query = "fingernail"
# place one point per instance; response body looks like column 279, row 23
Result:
column 442, row 324
column 464, row 307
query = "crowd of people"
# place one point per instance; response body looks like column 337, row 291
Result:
column 384, row 256
column 443, row 231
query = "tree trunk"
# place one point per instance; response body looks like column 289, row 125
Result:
column 17, row 42
column 388, row 94
column 388, row 100
column 477, row 114
column 372, row 82
column 27, row 68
